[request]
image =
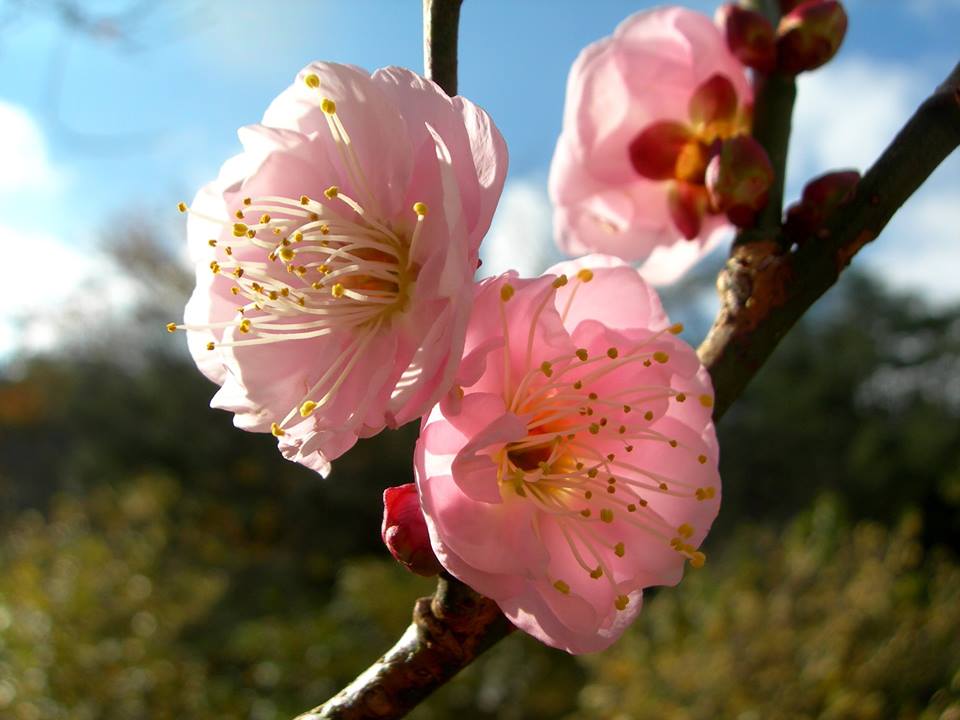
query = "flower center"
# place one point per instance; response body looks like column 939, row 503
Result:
column 304, row 268
column 580, row 462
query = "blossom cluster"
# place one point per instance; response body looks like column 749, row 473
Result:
column 567, row 457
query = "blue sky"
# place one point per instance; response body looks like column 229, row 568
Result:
column 101, row 128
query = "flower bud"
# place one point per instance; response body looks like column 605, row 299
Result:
column 810, row 34
column 750, row 36
column 404, row 530
column 821, row 197
column 738, row 179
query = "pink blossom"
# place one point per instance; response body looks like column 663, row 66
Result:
column 575, row 463
column 648, row 75
column 342, row 243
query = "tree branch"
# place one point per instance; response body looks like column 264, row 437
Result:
column 441, row 19
column 765, row 288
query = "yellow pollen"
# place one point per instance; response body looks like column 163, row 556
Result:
column 298, row 236
column 706, row 401
column 307, row 408
column 331, row 192
column 619, row 549
column 621, row 602
column 685, row 530
column 324, row 230
column 585, row 275
column 597, row 574
column 606, row 515
column 506, row 292
column 648, row 415
column 420, row 209
column 697, row 559
column 210, row 346
column 546, row 368
column 228, row 250
column 171, row 327
column 661, row 357
column 277, row 430
column 238, row 273
column 337, row 290
column 286, row 254
column 312, row 81
column 562, row 587
column 582, row 354
column 328, row 106
column 238, row 214
column 304, row 200
column 245, row 325
column 235, row 290
column 264, row 219
column 612, row 353
column 560, row 281
column 182, row 207
column 681, row 397
column 212, row 243
column 215, row 267
column 239, row 229
column 251, row 233
column 676, row 328
column 247, row 201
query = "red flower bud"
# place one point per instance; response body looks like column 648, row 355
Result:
column 404, row 531
column 738, row 179
column 750, row 36
column 821, row 197
column 810, row 34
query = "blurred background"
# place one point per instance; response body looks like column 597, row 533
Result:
column 155, row 562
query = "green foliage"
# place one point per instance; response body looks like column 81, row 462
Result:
column 816, row 622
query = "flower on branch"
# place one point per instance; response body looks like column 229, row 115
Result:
column 646, row 109
column 575, row 462
column 335, row 256
column 404, row 530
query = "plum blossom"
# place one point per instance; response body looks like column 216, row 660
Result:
column 575, row 462
column 335, row 257
column 645, row 111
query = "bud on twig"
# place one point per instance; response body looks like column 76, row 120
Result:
column 404, row 530
column 750, row 36
column 810, row 34
column 821, row 197
column 738, row 179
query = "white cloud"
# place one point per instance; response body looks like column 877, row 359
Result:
column 25, row 163
column 521, row 236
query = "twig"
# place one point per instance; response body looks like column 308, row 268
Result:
column 765, row 288
column 441, row 19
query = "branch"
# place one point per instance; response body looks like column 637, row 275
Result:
column 765, row 288
column 441, row 18
column 448, row 632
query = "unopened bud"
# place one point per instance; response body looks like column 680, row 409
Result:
column 821, row 197
column 750, row 36
column 810, row 34
column 404, row 531
column 739, row 178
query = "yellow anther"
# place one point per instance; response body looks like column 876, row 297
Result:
column 331, row 192
column 680, row 397
column 621, row 602
column 597, row 573
column 560, row 281
column 706, row 400
column 685, row 530
column 316, row 285
column 673, row 443
column 312, row 81
column 578, row 384
column 210, row 346
column 562, row 587
column 238, row 273
column 585, row 275
column 606, row 515
column 594, row 428
column 324, row 230
column 286, row 254
column 307, row 408
column 298, row 236
column 171, row 327
column 546, row 368
column 251, row 233
column 697, row 559
column 661, row 357
column 212, row 243
column 264, row 219
column 235, row 290
column 182, row 207
column 214, row 267
column 663, row 486
column 238, row 214
column 612, row 353
column 619, row 549
column 277, row 430
column 648, row 415
column 582, row 354
column 239, row 229
column 593, row 396
column 328, row 106
column 420, row 209
column 592, row 472
column 337, row 290
column 247, row 201
column 228, row 250
column 585, row 512
column 506, row 292
column 245, row 325
column 675, row 329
